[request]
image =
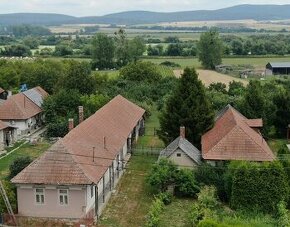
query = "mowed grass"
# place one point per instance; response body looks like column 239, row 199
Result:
column 32, row 151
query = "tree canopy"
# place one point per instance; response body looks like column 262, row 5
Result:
column 187, row 106
column 210, row 49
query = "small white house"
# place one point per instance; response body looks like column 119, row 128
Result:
column 23, row 110
column 181, row 152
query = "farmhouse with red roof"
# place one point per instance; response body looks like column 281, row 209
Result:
column 234, row 137
column 74, row 178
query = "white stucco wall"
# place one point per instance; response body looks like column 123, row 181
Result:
column 1, row 140
column 51, row 208
column 183, row 161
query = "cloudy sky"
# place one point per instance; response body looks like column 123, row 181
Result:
column 101, row 7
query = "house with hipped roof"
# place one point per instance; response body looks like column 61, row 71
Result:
column 24, row 110
column 181, row 152
column 75, row 177
column 234, row 137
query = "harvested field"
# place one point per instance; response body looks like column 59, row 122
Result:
column 208, row 77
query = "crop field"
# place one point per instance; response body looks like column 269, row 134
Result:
column 207, row 77
column 257, row 62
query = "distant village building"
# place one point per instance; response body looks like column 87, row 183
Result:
column 182, row 152
column 234, row 137
column 75, row 177
column 24, row 110
column 277, row 68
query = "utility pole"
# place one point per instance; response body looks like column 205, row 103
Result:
column 7, row 203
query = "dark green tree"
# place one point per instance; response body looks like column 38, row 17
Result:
column 282, row 116
column 210, row 49
column 187, row 106
column 103, row 51
column 18, row 50
column 77, row 76
column 253, row 103
column 18, row 165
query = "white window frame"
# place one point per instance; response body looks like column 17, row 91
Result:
column 61, row 194
column 41, row 195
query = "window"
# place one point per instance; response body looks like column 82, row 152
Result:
column 92, row 191
column 178, row 154
column 63, row 196
column 39, row 195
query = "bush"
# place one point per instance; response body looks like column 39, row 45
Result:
column 282, row 215
column 170, row 64
column 166, row 197
column 162, row 175
column 153, row 217
column 18, row 165
column 258, row 186
column 185, row 183
column 205, row 207
column 209, row 175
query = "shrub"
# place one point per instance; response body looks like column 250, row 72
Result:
column 18, row 165
column 153, row 217
column 209, row 223
column 185, row 183
column 162, row 175
column 166, row 197
column 209, row 175
column 170, row 64
column 282, row 215
column 258, row 186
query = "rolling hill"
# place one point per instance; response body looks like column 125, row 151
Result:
column 240, row 12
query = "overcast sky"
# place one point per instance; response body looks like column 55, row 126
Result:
column 102, row 7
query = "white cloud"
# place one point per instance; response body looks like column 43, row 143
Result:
column 101, row 7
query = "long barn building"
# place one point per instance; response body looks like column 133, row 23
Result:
column 75, row 177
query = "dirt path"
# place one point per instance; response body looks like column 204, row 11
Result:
column 208, row 77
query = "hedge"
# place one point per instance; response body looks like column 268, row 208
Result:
column 257, row 186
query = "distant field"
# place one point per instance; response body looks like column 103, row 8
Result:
column 207, row 77
column 258, row 63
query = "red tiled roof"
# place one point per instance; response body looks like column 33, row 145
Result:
column 255, row 123
column 114, row 122
column 41, row 91
column 233, row 139
column 1, row 90
column 3, row 125
column 18, row 107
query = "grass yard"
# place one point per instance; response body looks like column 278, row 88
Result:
column 33, row 151
column 130, row 204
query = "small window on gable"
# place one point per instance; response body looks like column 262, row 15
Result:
column 178, row 154
column 39, row 195
column 63, row 196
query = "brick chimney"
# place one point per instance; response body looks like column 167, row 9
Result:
column 182, row 132
column 70, row 124
column 81, row 114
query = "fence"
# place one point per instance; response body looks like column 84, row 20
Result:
column 155, row 151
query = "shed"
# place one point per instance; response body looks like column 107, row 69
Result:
column 182, row 152
column 277, row 68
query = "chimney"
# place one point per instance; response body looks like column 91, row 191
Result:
column 70, row 124
column 182, row 132
column 81, row 114
column 9, row 94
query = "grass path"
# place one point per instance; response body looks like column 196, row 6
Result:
column 130, row 203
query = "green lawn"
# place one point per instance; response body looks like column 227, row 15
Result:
column 33, row 151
